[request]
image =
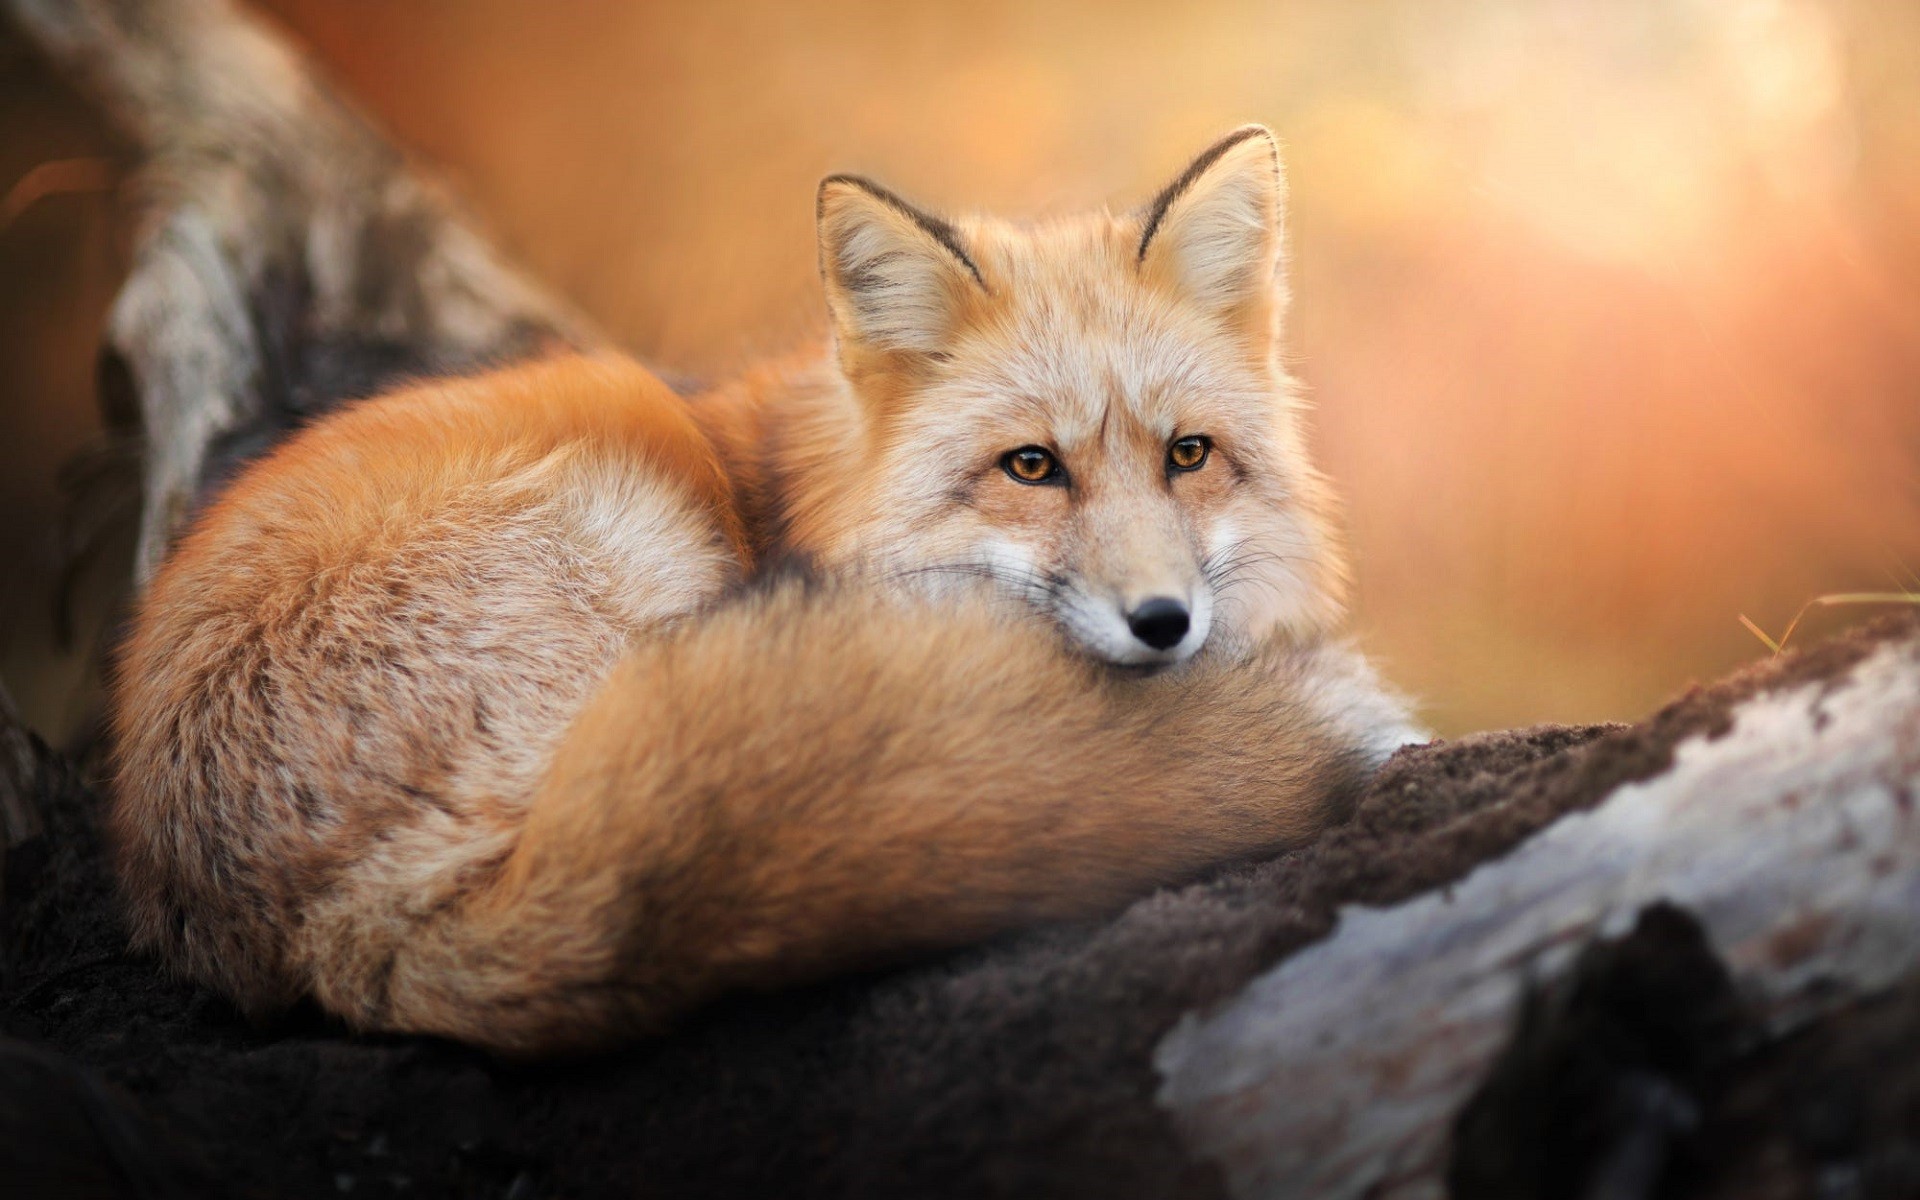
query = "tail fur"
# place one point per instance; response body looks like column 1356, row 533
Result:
column 810, row 782
column 805, row 780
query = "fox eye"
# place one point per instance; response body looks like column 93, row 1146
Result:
column 1031, row 464
column 1188, row 453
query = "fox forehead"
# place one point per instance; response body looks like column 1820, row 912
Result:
column 1072, row 337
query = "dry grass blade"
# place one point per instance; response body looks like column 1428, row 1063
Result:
column 1831, row 600
column 1760, row 633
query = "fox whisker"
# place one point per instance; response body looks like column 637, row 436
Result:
column 1237, row 564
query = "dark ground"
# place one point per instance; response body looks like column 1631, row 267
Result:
column 1017, row 1069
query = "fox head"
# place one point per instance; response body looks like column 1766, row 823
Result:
column 1089, row 411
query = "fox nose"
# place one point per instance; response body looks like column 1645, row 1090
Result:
column 1159, row 622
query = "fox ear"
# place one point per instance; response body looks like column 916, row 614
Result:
column 1215, row 233
column 898, row 280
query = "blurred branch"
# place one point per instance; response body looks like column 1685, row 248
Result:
column 21, row 758
column 58, row 177
column 286, row 256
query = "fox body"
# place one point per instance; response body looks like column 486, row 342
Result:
column 456, row 712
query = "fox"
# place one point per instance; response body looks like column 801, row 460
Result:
column 494, row 708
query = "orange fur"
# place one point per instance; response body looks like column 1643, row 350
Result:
column 453, row 714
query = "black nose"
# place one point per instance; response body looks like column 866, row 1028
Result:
column 1160, row 622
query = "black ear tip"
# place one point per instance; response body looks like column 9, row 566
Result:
column 844, row 179
column 934, row 227
column 840, row 181
column 1157, row 210
column 1251, row 132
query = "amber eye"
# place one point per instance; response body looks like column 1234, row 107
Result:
column 1031, row 464
column 1188, row 453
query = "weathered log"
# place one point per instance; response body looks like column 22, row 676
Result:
column 1793, row 837
column 286, row 255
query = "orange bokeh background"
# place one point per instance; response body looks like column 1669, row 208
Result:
column 1610, row 310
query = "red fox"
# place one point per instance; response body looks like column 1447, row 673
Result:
column 461, row 711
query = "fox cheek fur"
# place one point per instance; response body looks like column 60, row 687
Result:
column 1101, row 342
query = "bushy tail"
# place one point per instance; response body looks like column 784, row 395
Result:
column 805, row 782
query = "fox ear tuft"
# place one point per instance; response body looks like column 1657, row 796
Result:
column 1215, row 233
column 898, row 280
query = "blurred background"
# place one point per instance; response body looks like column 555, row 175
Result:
column 1610, row 309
